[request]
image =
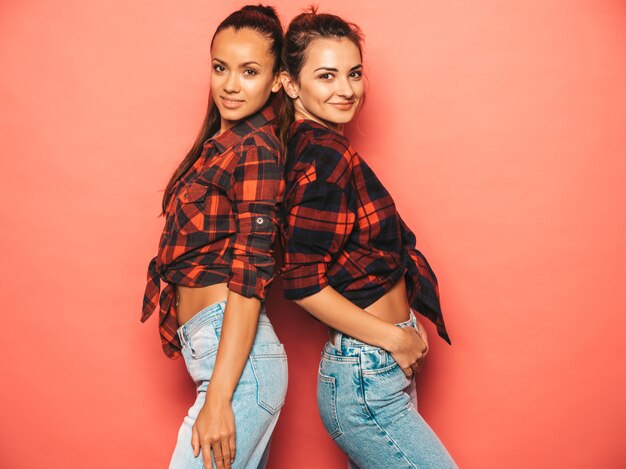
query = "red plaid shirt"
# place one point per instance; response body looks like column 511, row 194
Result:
column 341, row 228
column 220, row 222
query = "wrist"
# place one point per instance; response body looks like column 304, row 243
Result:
column 218, row 394
column 392, row 338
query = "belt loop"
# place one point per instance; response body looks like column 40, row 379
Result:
column 182, row 335
column 335, row 338
column 413, row 319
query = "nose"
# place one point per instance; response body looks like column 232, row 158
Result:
column 232, row 83
column 345, row 89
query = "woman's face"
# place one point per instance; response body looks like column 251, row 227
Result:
column 330, row 87
column 242, row 75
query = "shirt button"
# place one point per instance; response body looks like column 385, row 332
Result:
column 259, row 220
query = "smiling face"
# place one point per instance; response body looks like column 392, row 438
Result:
column 242, row 76
column 330, row 86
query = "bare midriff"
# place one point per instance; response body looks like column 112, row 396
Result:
column 393, row 306
column 192, row 300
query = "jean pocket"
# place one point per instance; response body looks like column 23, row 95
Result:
column 265, row 333
column 203, row 342
column 327, row 404
column 269, row 365
column 386, row 390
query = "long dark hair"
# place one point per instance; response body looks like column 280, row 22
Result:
column 302, row 30
column 259, row 18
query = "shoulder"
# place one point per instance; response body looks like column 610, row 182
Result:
column 327, row 151
column 262, row 144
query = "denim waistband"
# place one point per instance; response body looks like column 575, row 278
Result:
column 340, row 341
column 206, row 315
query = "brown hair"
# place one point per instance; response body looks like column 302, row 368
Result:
column 265, row 21
column 302, row 30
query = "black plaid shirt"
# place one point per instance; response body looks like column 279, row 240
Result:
column 341, row 228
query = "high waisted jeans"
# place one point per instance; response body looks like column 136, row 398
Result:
column 259, row 395
column 364, row 399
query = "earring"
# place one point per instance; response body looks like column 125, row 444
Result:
column 293, row 95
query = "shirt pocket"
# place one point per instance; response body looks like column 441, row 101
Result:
column 190, row 213
column 307, row 176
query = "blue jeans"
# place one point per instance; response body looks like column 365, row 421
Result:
column 259, row 395
column 364, row 399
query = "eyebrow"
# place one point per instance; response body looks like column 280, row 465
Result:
column 245, row 64
column 331, row 69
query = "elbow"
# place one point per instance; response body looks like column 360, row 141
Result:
column 302, row 302
column 251, row 280
column 303, row 289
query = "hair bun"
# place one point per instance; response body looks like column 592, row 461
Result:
column 268, row 11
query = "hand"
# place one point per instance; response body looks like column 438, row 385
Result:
column 214, row 430
column 408, row 350
column 421, row 330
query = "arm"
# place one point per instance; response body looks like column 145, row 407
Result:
column 405, row 345
column 256, row 189
column 424, row 336
column 215, row 426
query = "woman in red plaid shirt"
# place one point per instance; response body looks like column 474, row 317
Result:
column 215, row 254
column 350, row 260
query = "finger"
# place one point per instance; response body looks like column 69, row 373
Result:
column 425, row 344
column 233, row 449
column 408, row 372
column 216, row 447
column 421, row 330
column 424, row 340
column 226, row 452
column 419, row 335
column 195, row 441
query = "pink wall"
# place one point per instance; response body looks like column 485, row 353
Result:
column 498, row 127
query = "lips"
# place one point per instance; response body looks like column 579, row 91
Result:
column 345, row 106
column 230, row 103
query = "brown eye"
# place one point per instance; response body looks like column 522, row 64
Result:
column 250, row 72
column 218, row 68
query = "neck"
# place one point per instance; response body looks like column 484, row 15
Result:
column 225, row 125
column 303, row 114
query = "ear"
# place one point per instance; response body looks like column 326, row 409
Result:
column 290, row 85
column 276, row 84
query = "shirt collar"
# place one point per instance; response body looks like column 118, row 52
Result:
column 302, row 125
column 236, row 133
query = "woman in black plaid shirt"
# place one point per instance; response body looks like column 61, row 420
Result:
column 350, row 260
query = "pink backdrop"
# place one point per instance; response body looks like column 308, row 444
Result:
column 499, row 127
